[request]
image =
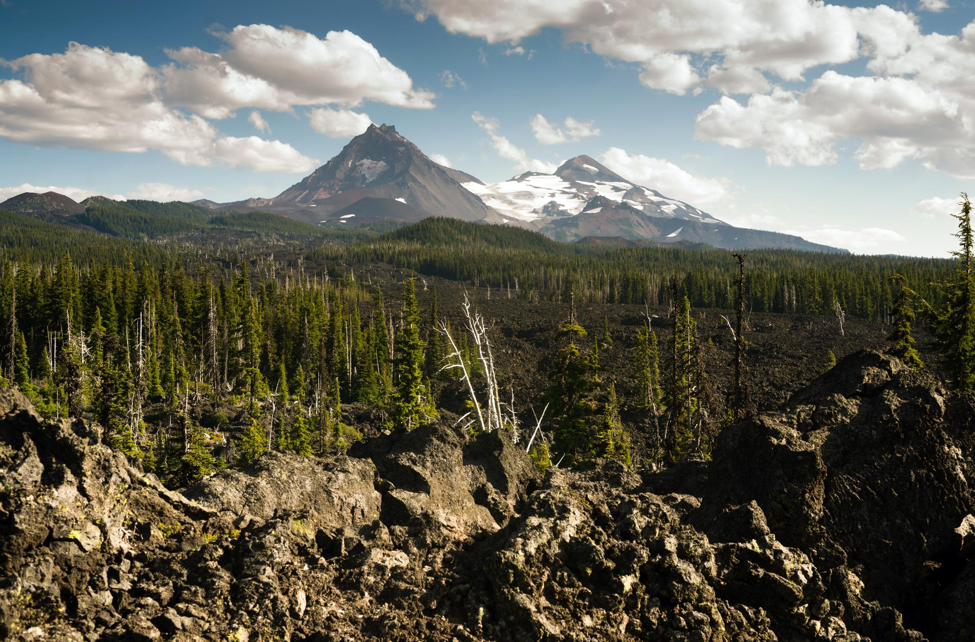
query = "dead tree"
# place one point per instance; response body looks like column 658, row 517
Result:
column 739, row 402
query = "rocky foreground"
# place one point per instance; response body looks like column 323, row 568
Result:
column 847, row 515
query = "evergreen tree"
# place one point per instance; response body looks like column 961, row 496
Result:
column 647, row 363
column 197, row 460
column 830, row 360
column 903, row 318
column 412, row 406
column 955, row 323
column 283, row 436
column 681, row 400
column 252, row 444
column 300, row 438
column 22, row 368
column 611, row 439
column 572, row 396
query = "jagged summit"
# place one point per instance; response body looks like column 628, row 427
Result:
column 382, row 164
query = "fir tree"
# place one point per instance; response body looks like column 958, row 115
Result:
column 252, row 444
column 412, row 406
column 903, row 318
column 572, row 396
column 22, row 369
column 681, row 401
column 611, row 439
column 197, row 460
column 647, row 363
column 955, row 324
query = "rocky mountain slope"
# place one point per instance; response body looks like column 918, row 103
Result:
column 846, row 515
column 49, row 206
column 378, row 164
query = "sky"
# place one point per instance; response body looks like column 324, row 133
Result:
column 850, row 124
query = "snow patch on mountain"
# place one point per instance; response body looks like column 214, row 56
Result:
column 372, row 169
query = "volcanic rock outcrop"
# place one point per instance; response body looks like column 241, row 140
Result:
column 845, row 515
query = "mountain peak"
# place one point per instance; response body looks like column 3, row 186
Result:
column 586, row 168
column 387, row 131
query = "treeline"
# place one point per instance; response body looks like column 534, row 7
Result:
column 526, row 265
column 112, row 342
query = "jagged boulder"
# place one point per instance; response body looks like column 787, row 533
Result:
column 866, row 469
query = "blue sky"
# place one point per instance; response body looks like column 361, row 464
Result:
column 849, row 126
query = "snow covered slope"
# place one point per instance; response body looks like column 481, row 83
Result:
column 541, row 198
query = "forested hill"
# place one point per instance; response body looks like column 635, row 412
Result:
column 536, row 267
column 528, row 264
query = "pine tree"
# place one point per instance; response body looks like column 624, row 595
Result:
column 955, row 324
column 830, row 360
column 611, row 439
column 572, row 396
column 681, row 400
column 412, row 406
column 646, row 360
column 22, row 369
column 300, row 438
column 197, row 460
column 903, row 318
column 283, row 436
column 252, row 444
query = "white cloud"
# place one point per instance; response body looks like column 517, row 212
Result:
column 74, row 193
column 917, row 104
column 783, row 36
column 338, row 123
column 519, row 51
column 894, row 119
column 666, row 178
column 548, row 134
column 440, row 159
column 869, row 240
column 94, row 98
column 259, row 155
column 271, row 68
column 934, row 6
column 508, row 150
column 738, row 80
column 671, row 73
column 164, row 193
column 450, row 79
column 258, row 122
column 936, row 208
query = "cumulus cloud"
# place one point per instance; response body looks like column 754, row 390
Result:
column 270, row 68
column 164, row 193
column 74, row 193
column 936, row 208
column 894, row 118
column 94, row 98
column 934, row 6
column 671, row 73
column 259, row 155
column 508, row 150
column 440, row 159
column 548, row 134
column 338, row 123
column 258, row 122
column 450, row 79
column 869, row 240
column 666, row 177
column 917, row 104
column 738, row 80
